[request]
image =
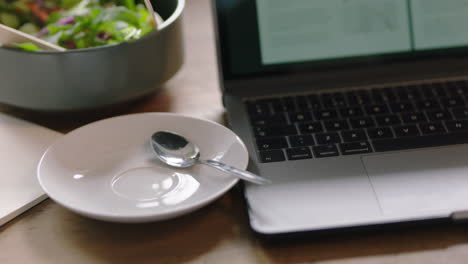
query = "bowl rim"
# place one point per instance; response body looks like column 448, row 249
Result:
column 171, row 19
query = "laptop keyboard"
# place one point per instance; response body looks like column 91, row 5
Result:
column 360, row 121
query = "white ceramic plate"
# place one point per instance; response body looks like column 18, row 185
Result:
column 107, row 170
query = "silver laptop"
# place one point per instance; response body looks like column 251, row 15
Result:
column 356, row 110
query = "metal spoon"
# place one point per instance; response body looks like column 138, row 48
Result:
column 177, row 151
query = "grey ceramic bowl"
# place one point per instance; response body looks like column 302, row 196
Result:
column 94, row 77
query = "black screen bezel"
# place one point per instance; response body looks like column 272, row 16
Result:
column 240, row 56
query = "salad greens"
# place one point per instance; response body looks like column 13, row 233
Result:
column 27, row 46
column 75, row 24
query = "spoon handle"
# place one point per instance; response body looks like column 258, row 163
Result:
column 243, row 174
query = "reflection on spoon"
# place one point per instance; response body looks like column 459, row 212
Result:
column 177, row 151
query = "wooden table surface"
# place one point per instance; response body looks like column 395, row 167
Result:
column 218, row 233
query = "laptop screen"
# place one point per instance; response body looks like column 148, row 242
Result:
column 259, row 36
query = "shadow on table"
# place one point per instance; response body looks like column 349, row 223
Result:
column 218, row 231
column 64, row 121
column 378, row 241
column 178, row 240
column 201, row 233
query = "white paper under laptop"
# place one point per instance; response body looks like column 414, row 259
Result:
column 21, row 146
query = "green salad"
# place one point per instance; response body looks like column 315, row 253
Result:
column 76, row 24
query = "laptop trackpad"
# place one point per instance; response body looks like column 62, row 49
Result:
column 420, row 180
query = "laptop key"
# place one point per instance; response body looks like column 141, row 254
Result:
column 452, row 102
column 278, row 106
column 339, row 99
column 331, row 100
column 388, row 120
column 406, row 131
column 272, row 155
column 310, row 128
column 460, row 112
column 324, row 151
column 458, row 89
column 355, row 148
column 388, row 94
column 301, row 140
column 414, row 92
column 427, row 91
column 419, row 142
column 401, row 107
column 377, row 109
column 314, row 102
column 275, row 131
column 428, row 104
column 336, row 125
column 327, row 138
column 302, row 103
column 402, row 93
column 432, row 128
column 262, row 101
column 359, row 97
column 289, row 103
column 272, row 143
column 457, row 126
column 438, row 115
column 377, row 96
column 409, row 118
column 380, row 132
column 300, row 117
column 362, row 122
column 353, row 135
column 439, row 90
column 327, row 100
column 298, row 153
column 266, row 120
column 408, row 92
column 363, row 96
column 325, row 114
column 285, row 104
column 255, row 109
column 355, row 111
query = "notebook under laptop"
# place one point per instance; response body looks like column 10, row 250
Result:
column 356, row 110
column 21, row 146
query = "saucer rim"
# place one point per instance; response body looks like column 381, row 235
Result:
column 159, row 214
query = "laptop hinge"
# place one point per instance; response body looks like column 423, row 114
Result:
column 391, row 74
column 460, row 216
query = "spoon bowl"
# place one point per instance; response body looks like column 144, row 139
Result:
column 176, row 151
